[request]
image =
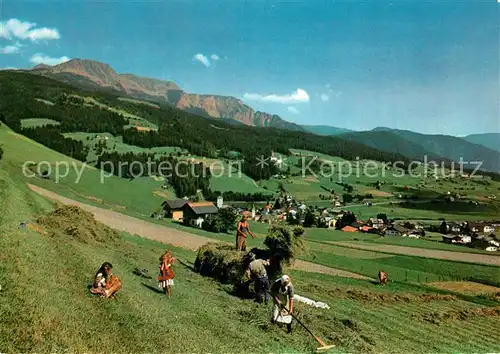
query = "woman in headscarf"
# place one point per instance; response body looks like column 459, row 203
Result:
column 105, row 283
column 283, row 292
column 382, row 277
column 166, row 277
column 242, row 230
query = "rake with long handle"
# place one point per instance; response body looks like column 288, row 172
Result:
column 323, row 346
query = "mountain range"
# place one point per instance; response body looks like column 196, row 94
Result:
column 325, row 130
column 490, row 140
column 416, row 146
column 93, row 75
column 97, row 76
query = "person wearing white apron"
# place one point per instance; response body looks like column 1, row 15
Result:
column 282, row 292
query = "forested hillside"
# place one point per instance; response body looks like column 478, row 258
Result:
column 388, row 141
column 451, row 147
column 24, row 95
column 490, row 140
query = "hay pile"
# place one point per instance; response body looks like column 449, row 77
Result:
column 227, row 265
column 221, row 262
column 77, row 223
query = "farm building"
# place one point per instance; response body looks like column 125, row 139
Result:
column 396, row 230
column 195, row 213
column 376, row 223
column 417, row 233
column 486, row 241
column 330, row 222
column 349, row 229
column 458, row 239
column 173, row 208
column 483, row 228
column 358, row 224
column 367, row 228
column 455, row 227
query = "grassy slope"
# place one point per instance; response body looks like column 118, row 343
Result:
column 115, row 192
column 116, row 144
column 37, row 122
column 46, row 307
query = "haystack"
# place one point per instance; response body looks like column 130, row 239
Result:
column 78, row 224
column 227, row 265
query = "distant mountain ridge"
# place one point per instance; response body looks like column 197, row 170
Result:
column 391, row 142
column 325, row 129
column 446, row 146
column 94, row 75
column 490, row 140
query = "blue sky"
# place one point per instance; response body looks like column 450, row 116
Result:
column 431, row 67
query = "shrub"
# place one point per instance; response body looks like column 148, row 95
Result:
column 1, row 152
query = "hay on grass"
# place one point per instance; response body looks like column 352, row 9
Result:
column 228, row 266
column 381, row 297
column 461, row 315
column 78, row 224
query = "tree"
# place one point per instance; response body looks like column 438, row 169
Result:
column 1, row 152
column 309, row 219
column 383, row 217
column 227, row 217
column 292, row 219
column 222, row 222
column 443, row 228
column 347, row 219
column 347, row 198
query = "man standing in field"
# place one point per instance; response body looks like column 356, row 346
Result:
column 382, row 277
column 283, row 292
column 242, row 230
column 257, row 272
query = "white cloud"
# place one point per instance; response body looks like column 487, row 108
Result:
column 215, row 57
column 298, row 96
column 44, row 59
column 202, row 59
column 11, row 49
column 15, row 28
column 324, row 97
column 293, row 110
column 43, row 34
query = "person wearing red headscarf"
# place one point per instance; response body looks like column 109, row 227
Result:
column 166, row 277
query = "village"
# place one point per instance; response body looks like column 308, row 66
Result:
column 286, row 209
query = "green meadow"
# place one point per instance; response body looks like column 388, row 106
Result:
column 37, row 122
column 46, row 306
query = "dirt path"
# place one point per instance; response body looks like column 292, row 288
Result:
column 168, row 235
column 318, row 268
column 421, row 252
